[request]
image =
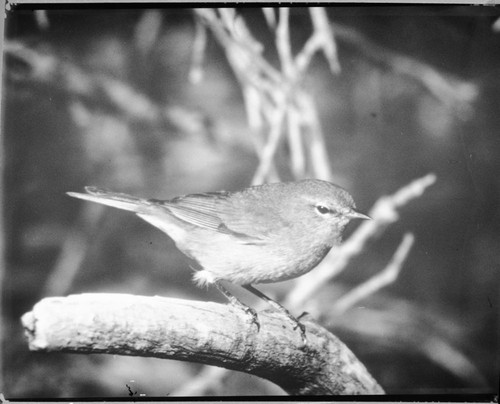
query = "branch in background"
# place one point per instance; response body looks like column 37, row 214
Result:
column 496, row 25
column 147, row 31
column 457, row 95
column 283, row 45
column 42, row 19
column 383, row 213
column 318, row 155
column 73, row 251
column 404, row 327
column 269, row 150
column 198, row 53
column 50, row 71
column 265, row 88
column 385, row 277
column 208, row 380
column 269, row 16
column 270, row 93
column 203, row 332
column 322, row 39
column 98, row 91
column 292, row 116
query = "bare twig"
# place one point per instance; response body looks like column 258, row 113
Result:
column 73, row 251
column 269, row 16
column 295, row 140
column 269, row 93
column 323, row 38
column 203, row 332
column 242, row 50
column 269, row 150
column 318, row 155
column 199, row 45
column 387, row 276
column 283, row 44
column 443, row 353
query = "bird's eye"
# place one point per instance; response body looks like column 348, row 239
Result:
column 322, row 209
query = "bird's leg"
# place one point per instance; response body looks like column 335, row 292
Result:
column 235, row 302
column 277, row 306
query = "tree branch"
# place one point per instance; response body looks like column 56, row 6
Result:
column 203, row 332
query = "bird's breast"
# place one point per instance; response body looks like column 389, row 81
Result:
column 224, row 258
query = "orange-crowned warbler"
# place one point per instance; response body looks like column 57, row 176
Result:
column 262, row 234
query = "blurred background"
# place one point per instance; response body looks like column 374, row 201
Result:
column 157, row 103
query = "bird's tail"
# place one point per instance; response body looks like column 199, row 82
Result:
column 114, row 199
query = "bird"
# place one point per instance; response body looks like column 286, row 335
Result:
column 261, row 234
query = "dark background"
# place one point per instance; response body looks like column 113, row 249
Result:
column 383, row 129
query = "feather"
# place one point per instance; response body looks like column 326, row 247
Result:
column 206, row 211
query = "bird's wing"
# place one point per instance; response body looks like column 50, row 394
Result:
column 207, row 211
column 212, row 211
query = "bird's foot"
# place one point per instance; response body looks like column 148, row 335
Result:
column 235, row 302
column 302, row 329
column 279, row 307
column 254, row 318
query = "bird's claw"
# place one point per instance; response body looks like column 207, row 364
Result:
column 304, row 313
column 302, row 328
column 253, row 316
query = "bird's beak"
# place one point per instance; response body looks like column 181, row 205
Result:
column 356, row 215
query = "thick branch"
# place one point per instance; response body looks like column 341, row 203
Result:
column 204, row 332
